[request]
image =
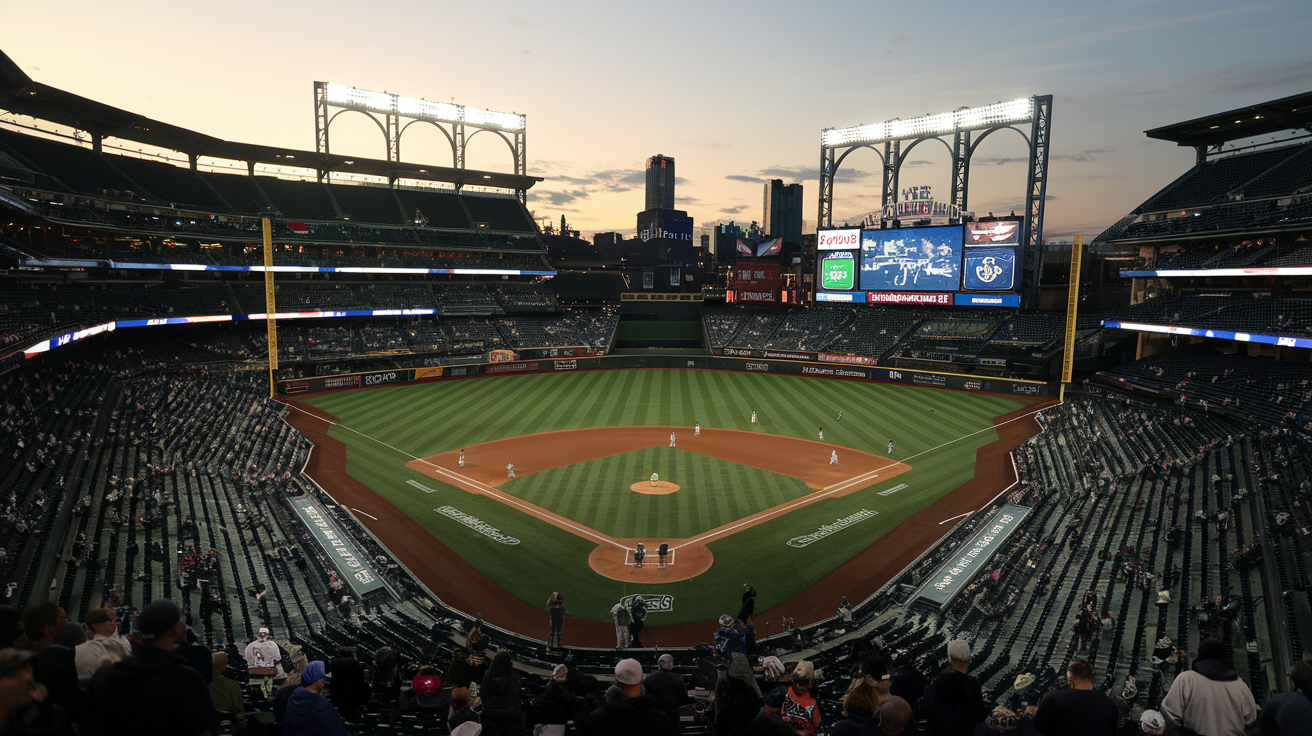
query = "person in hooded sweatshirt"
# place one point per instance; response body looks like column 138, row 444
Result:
column 502, row 714
column 667, row 689
column 954, row 703
column 153, row 690
column 1210, row 699
column 308, row 712
column 627, row 710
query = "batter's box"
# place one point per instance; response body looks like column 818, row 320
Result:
column 652, row 559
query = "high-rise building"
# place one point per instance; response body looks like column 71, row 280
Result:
column 660, row 183
column 783, row 211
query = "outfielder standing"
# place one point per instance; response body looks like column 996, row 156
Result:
column 697, row 429
column 890, row 448
column 822, row 434
column 462, row 457
column 753, row 417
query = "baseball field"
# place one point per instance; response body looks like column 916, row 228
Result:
column 768, row 503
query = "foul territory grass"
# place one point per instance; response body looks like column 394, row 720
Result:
column 425, row 419
column 712, row 493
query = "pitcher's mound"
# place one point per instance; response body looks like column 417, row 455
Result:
column 662, row 488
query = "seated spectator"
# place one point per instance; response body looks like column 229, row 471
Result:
column 350, row 691
column 768, row 722
column 894, row 717
column 104, row 644
column 461, row 712
column 667, row 690
column 24, row 707
column 55, row 665
column 1209, row 699
column 500, row 693
column 1291, row 713
column 859, row 706
column 800, row 709
column 308, row 712
column 152, row 691
column 953, row 704
column 1006, row 722
column 1078, row 710
column 225, row 693
column 627, row 709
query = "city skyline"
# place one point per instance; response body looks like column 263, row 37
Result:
column 733, row 115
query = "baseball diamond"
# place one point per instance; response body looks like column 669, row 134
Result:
column 584, row 443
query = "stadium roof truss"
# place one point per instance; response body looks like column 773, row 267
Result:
column 967, row 127
column 1209, row 133
column 399, row 113
column 21, row 95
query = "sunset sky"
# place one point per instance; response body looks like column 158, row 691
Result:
column 736, row 92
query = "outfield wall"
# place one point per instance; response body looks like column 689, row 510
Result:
column 957, row 381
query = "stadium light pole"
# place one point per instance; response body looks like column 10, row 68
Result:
column 1072, row 309
column 269, row 309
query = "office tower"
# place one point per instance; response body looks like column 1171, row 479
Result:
column 660, row 183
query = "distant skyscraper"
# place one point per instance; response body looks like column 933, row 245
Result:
column 660, row 183
column 783, row 211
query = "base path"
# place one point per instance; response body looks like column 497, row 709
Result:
column 463, row 587
column 806, row 460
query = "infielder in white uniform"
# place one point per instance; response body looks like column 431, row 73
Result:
column 510, row 470
column 671, row 439
column 833, row 457
column 462, row 457
column 697, row 430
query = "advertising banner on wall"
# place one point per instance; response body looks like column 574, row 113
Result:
column 501, row 356
column 756, row 282
column 990, row 268
column 906, row 297
column 971, row 559
column 838, row 270
column 1002, row 232
column 348, row 560
column 845, row 239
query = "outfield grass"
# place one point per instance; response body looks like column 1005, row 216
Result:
column 712, row 493
column 938, row 430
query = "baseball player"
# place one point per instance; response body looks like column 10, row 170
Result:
column 753, row 417
column 654, row 478
column 697, row 429
column 671, row 439
column 462, row 457
column 510, row 470
column 822, row 434
column 661, row 553
column 639, row 554
column 840, row 415
column 890, row 448
column 833, row 457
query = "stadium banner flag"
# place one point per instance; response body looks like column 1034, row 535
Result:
column 349, row 561
column 971, row 559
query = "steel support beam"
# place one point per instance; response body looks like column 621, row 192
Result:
column 1035, row 193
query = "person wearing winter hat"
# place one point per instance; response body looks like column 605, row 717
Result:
column 1152, row 722
column 308, row 711
column 1210, row 699
column 627, row 709
column 667, row 689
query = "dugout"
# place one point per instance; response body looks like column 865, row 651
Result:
column 660, row 320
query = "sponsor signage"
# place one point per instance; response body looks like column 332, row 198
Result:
column 510, row 368
column 759, row 367
column 380, row 379
column 756, row 282
column 1000, row 232
column 972, row 558
column 1281, row 340
column 533, row 353
column 844, row 239
column 822, row 296
column 656, row 603
column 973, row 385
column 838, row 270
column 434, row 371
column 906, row 297
column 834, row 527
column 296, row 387
column 332, row 383
column 811, row 370
column 787, row 355
column 1028, row 389
column 477, row 524
column 986, row 300
column 338, row 547
column 929, row 379
column 740, row 352
column 849, row 359
column 990, row 268
column 500, row 356
column 565, row 365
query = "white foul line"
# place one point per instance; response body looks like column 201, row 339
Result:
column 958, row 516
column 358, row 511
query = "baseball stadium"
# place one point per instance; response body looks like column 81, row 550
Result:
column 378, row 412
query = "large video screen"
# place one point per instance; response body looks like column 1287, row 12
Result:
column 990, row 269
column 911, row 259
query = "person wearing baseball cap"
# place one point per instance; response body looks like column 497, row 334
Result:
column 152, row 691
column 954, row 703
column 308, row 712
column 667, row 689
column 627, row 709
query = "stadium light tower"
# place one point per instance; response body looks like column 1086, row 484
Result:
column 1032, row 112
column 399, row 113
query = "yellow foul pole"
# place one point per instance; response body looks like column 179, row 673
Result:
column 269, row 308
column 1072, row 307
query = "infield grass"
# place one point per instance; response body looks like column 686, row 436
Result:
column 936, row 431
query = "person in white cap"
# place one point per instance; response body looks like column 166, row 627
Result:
column 667, row 689
column 954, row 703
column 655, row 477
column 262, row 658
column 626, row 709
column 1152, row 722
